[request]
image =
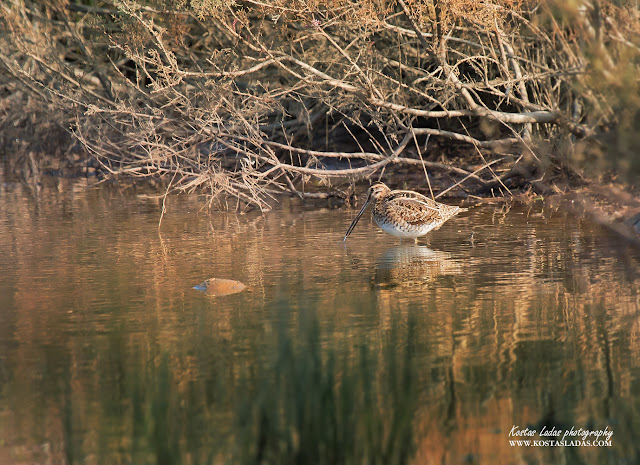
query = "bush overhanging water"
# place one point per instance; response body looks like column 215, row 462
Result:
column 255, row 98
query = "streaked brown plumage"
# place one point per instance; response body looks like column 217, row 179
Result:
column 404, row 214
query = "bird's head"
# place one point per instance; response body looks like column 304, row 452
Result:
column 378, row 190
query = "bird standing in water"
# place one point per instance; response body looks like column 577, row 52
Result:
column 404, row 214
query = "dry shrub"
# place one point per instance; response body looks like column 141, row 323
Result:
column 257, row 98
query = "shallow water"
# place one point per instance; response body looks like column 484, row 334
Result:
column 523, row 316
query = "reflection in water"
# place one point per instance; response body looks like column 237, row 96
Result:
column 107, row 354
column 412, row 265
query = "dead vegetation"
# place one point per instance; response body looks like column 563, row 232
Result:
column 253, row 99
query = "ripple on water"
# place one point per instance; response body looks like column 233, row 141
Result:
column 521, row 315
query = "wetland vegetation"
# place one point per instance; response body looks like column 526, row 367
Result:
column 254, row 99
column 515, row 313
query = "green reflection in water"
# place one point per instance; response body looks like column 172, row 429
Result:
column 297, row 396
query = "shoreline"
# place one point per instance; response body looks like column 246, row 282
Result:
column 614, row 205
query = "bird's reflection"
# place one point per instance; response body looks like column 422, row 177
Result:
column 410, row 265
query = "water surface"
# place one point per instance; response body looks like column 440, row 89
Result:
column 506, row 316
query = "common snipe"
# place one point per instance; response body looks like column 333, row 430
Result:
column 404, row 214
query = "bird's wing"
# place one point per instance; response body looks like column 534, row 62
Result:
column 415, row 195
column 413, row 211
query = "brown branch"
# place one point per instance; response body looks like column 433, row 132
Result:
column 483, row 167
column 371, row 156
column 485, row 144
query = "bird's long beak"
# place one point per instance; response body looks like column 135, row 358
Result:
column 355, row 220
